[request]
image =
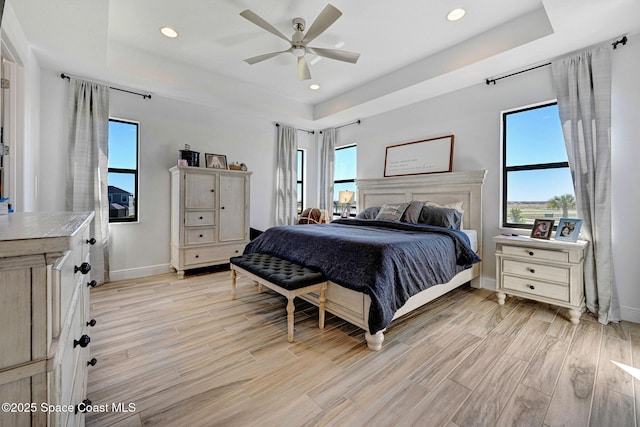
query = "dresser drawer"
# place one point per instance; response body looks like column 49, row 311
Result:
column 535, row 288
column 536, row 271
column 535, row 253
column 195, row 218
column 216, row 254
column 193, row 236
column 65, row 278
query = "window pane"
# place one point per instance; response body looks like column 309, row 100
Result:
column 345, row 163
column 123, row 145
column 342, row 186
column 529, row 194
column 534, row 136
column 300, row 164
column 122, row 195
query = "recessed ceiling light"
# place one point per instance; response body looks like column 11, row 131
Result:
column 169, row 32
column 314, row 86
column 456, row 14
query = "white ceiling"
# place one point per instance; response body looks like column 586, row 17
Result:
column 409, row 51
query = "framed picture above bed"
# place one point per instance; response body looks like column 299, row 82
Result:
column 419, row 157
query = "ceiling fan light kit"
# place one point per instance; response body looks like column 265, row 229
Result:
column 299, row 40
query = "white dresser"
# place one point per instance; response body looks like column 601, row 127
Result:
column 549, row 271
column 209, row 216
column 44, row 313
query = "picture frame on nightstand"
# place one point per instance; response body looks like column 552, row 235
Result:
column 542, row 229
column 568, row 229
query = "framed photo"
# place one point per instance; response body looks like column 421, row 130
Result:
column 419, row 157
column 216, row 161
column 542, row 229
column 568, row 229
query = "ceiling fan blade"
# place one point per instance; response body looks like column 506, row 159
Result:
column 264, row 57
column 303, row 69
column 327, row 17
column 250, row 16
column 337, row 54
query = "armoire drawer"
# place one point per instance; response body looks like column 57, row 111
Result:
column 196, row 218
column 194, row 236
column 210, row 254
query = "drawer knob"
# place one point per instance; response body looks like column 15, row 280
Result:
column 213, row 191
column 92, row 362
column 201, row 236
column 531, row 253
column 82, row 342
column 201, row 218
column 222, row 207
column 92, row 284
column 531, row 286
column 532, row 270
column 82, row 407
column 84, row 268
column 197, row 256
column 92, row 323
column 91, row 241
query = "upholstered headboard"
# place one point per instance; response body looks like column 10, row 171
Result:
column 441, row 188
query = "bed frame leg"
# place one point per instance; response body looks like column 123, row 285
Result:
column 374, row 342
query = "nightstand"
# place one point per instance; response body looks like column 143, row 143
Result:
column 548, row 271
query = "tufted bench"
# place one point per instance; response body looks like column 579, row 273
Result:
column 284, row 277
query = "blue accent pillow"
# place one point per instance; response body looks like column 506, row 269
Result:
column 369, row 213
column 441, row 217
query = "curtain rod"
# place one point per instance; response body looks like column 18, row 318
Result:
column 615, row 44
column 301, row 130
column 357, row 122
column 144, row 95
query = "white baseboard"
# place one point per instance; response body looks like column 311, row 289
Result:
column 135, row 273
column 630, row 314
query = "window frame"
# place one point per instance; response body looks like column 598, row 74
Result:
column 135, row 172
column 529, row 167
column 300, row 179
column 343, row 181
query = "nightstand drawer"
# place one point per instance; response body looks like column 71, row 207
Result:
column 536, row 288
column 535, row 253
column 536, row 271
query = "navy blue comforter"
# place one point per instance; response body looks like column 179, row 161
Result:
column 389, row 261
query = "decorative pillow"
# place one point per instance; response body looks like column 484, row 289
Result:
column 442, row 217
column 392, row 211
column 412, row 213
column 369, row 213
column 453, row 205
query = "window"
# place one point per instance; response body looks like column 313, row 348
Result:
column 535, row 170
column 300, row 181
column 344, row 177
column 123, row 171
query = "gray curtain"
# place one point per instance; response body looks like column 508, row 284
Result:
column 286, row 175
column 87, row 171
column 583, row 88
column 327, row 169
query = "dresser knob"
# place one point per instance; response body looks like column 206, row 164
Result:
column 201, row 236
column 213, row 191
column 201, row 218
column 91, row 241
column 197, row 256
column 92, row 322
column 531, row 286
column 82, row 342
column 82, row 407
column 92, row 284
column 531, row 253
column 92, row 362
column 531, row 270
column 84, row 268
column 222, row 207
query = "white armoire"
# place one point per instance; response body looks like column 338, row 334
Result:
column 209, row 216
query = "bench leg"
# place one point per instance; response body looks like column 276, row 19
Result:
column 323, row 299
column 290, row 319
column 233, row 284
column 259, row 287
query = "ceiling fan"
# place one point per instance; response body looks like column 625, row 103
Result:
column 299, row 41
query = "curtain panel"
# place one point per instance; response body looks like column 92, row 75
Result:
column 327, row 169
column 583, row 88
column 88, row 107
column 286, row 203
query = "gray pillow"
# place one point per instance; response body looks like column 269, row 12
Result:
column 369, row 213
column 392, row 211
column 412, row 213
column 441, row 217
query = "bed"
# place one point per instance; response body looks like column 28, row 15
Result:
column 363, row 304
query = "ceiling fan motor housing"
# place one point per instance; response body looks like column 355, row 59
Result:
column 298, row 24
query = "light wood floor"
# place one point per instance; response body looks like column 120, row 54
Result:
column 186, row 354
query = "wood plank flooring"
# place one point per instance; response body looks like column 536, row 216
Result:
column 184, row 353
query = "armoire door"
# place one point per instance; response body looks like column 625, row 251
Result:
column 233, row 217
